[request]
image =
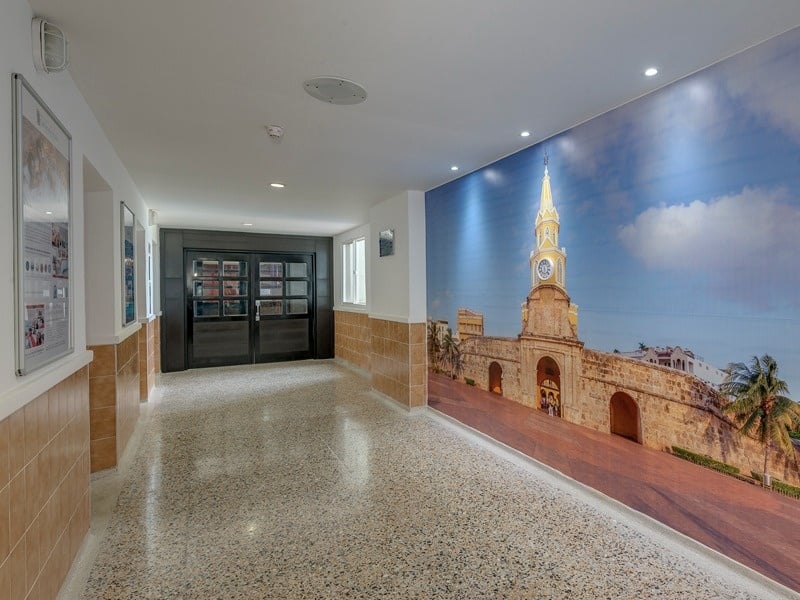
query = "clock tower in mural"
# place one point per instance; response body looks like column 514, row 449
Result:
column 548, row 261
column 548, row 275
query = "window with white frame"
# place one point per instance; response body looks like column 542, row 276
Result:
column 354, row 271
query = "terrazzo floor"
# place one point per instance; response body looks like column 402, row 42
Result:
column 294, row 480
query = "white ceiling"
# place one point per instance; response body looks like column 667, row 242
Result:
column 183, row 89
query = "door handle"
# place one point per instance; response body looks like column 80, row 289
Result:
column 258, row 310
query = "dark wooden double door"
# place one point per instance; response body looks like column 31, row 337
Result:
column 248, row 307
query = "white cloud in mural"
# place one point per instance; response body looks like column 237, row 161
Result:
column 745, row 244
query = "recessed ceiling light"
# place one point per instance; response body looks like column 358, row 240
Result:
column 277, row 185
column 651, row 71
column 525, row 133
column 48, row 212
column 247, row 224
column 454, row 168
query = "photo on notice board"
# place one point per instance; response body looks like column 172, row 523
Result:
column 42, row 159
column 128, row 266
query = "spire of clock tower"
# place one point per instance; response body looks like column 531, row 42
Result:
column 548, row 260
column 546, row 199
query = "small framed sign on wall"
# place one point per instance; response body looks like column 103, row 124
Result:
column 386, row 242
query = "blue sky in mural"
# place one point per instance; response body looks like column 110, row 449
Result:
column 680, row 214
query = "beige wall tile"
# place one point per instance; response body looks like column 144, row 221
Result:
column 401, row 393
column 418, row 333
column 35, row 426
column 418, row 375
column 36, row 590
column 103, row 422
column 419, row 354
column 53, row 400
column 32, row 554
column 402, row 332
column 5, row 579
column 17, row 498
column 5, row 462
column 103, row 391
column 16, row 563
column 103, row 453
column 16, row 442
column 50, row 526
column 49, row 456
column 34, row 482
column 418, row 396
column 5, row 517
column 104, row 361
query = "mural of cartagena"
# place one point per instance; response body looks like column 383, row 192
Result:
column 612, row 273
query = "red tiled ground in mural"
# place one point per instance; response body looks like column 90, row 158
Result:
column 756, row 527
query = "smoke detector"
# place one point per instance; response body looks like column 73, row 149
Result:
column 275, row 132
column 335, row 90
column 49, row 46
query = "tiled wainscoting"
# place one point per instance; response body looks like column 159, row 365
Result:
column 147, row 359
column 114, row 400
column 44, row 489
column 352, row 338
column 394, row 353
column 157, row 345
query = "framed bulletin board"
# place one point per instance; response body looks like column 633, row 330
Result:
column 128, row 225
column 42, row 161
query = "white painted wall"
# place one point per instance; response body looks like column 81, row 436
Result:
column 417, row 273
column 388, row 282
column 396, row 285
column 100, row 261
column 64, row 99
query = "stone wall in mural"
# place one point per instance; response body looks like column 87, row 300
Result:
column 663, row 235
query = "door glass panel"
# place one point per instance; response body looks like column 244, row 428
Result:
column 206, row 288
column 296, row 307
column 206, row 268
column 235, row 308
column 234, row 287
column 270, row 269
column 271, row 288
column 270, row 307
column 297, row 269
column 234, row 268
column 296, row 288
column 206, row 308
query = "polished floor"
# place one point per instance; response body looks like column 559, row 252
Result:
column 294, row 480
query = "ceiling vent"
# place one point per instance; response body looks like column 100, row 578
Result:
column 335, row 90
column 49, row 46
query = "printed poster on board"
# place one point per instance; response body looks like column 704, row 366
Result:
column 42, row 187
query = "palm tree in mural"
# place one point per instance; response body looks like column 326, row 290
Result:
column 759, row 403
column 451, row 355
column 434, row 347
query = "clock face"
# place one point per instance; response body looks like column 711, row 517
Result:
column 544, row 269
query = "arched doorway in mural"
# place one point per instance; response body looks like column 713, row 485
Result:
column 496, row 378
column 548, row 386
column 625, row 417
